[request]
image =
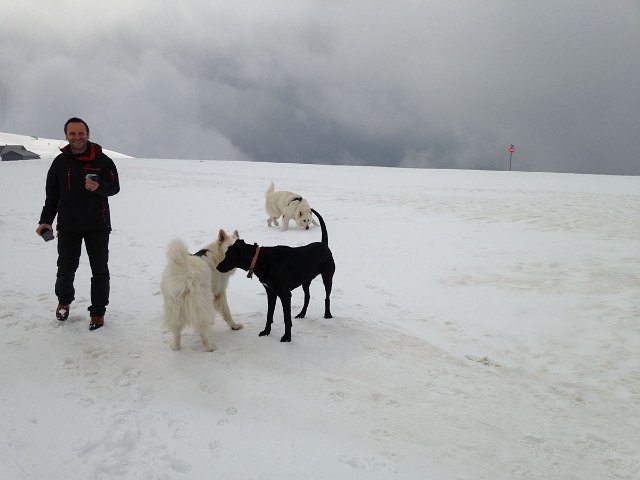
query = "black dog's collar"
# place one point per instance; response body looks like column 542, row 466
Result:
column 254, row 260
column 200, row 253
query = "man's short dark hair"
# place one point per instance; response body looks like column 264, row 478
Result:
column 75, row 120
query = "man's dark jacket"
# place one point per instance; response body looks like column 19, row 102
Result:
column 78, row 209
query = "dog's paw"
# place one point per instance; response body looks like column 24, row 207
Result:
column 264, row 333
column 237, row 326
column 174, row 347
column 285, row 338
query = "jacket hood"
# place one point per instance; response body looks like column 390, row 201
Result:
column 88, row 155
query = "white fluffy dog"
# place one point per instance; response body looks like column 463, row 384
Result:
column 290, row 206
column 192, row 288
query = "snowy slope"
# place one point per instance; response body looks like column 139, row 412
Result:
column 45, row 147
column 486, row 326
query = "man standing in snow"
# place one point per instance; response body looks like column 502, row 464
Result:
column 79, row 182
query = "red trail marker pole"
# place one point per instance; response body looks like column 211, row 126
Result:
column 512, row 148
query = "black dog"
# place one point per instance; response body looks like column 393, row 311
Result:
column 282, row 269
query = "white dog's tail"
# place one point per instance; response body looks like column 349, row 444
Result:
column 188, row 287
column 270, row 190
column 177, row 253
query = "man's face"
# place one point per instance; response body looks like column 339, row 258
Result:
column 77, row 137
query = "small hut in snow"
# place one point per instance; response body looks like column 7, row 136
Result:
column 16, row 152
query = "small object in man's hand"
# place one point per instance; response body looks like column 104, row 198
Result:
column 47, row 235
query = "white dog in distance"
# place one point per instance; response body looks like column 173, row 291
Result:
column 289, row 206
column 192, row 289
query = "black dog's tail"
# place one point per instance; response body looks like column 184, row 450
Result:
column 325, row 237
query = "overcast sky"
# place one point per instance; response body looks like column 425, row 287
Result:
column 442, row 83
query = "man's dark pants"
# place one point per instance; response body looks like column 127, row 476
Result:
column 69, row 249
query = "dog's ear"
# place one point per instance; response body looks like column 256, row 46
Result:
column 236, row 234
column 222, row 235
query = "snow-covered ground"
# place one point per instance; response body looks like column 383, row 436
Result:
column 46, row 147
column 486, row 326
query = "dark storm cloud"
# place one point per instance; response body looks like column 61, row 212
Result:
column 410, row 83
